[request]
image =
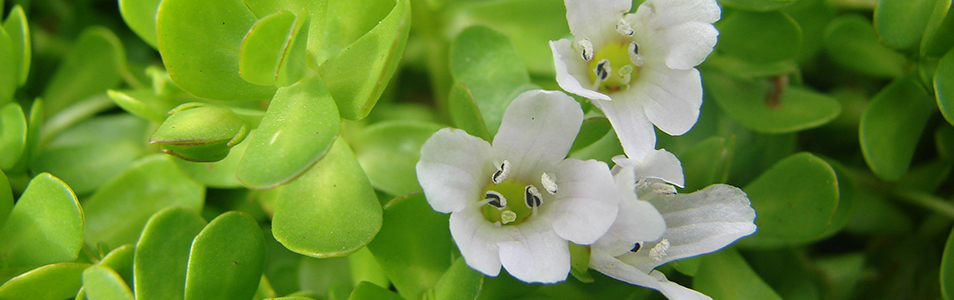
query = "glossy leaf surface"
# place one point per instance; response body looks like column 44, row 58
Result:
column 226, row 259
column 891, row 126
column 44, row 227
column 162, row 253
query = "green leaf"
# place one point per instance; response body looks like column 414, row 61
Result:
column 121, row 261
column 226, row 260
column 771, row 106
column 464, row 113
column 6, row 198
column 947, row 268
column 140, row 16
column 117, row 211
column 50, row 282
column 128, row 102
column 13, row 135
column 939, row 35
column 388, row 152
column 944, row 86
column 94, row 65
column 850, row 42
column 200, row 132
column 358, row 75
column 413, row 246
column 101, row 282
column 580, row 262
column 707, row 162
column 725, row 275
column 944, row 141
column 788, row 272
column 299, row 127
column 757, row 5
column 9, row 67
column 44, row 227
column 220, row 174
column 891, row 126
column 460, row 282
column 793, row 201
column 901, row 23
column 162, row 253
column 591, row 131
column 759, row 37
column 19, row 32
column 365, row 268
column 489, row 66
column 370, row 291
column 273, row 51
column 842, row 273
column 200, row 41
column 331, row 210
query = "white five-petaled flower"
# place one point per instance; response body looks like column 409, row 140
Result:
column 639, row 68
column 694, row 224
column 517, row 202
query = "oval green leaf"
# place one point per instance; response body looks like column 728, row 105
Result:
column 891, row 126
column 140, row 16
column 943, row 86
column 901, row 23
column 270, row 46
column 298, row 128
column 94, row 65
column 50, row 282
column 117, row 211
column 707, row 162
column 726, row 275
column 460, row 282
column 6, row 198
column 13, row 135
column 851, row 42
column 331, row 210
column 220, row 174
column 47, row 209
column 464, row 113
column 128, row 102
column 9, row 67
column 226, row 259
column 939, row 35
column 592, row 130
column 771, row 106
column 200, row 41
column 369, row 291
column 19, row 31
column 388, row 152
column 759, row 37
column 757, row 5
column 120, row 260
column 101, row 282
column 793, row 201
column 358, row 75
column 947, row 268
column 162, row 253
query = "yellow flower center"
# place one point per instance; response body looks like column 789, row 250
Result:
column 613, row 66
column 515, row 211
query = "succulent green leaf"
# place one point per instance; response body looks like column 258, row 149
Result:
column 298, row 129
column 359, row 73
column 944, row 86
column 486, row 62
column 200, row 132
column 140, row 16
column 794, row 201
column 707, row 162
column 331, row 210
column 100, row 282
column 200, row 44
column 13, row 135
column 901, row 23
column 226, row 259
column 6, row 198
column 128, row 102
column 19, row 32
column 726, row 275
column 788, row 272
column 939, row 35
column 580, row 262
column 460, row 282
column 365, row 268
column 759, row 37
column 9, row 67
column 464, row 113
column 50, row 282
column 771, row 106
column 370, row 291
column 95, row 64
column 120, row 260
column 851, row 42
column 44, row 227
column 413, row 246
column 273, row 51
column 388, row 152
column 220, row 174
column 947, row 268
column 162, row 253
column 891, row 126
column 35, row 121
column 117, row 211
column 757, row 5
column 944, row 142
column 842, row 272
column 592, row 130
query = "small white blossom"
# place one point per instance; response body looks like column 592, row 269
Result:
column 499, row 216
column 654, row 50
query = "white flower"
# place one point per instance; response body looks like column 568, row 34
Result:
column 516, row 203
column 656, row 165
column 695, row 224
column 638, row 67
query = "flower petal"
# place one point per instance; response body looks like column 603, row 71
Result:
column 698, row 223
column 655, row 280
column 689, row 44
column 586, row 203
column 633, row 128
column 453, row 168
column 474, row 237
column 659, row 164
column 673, row 290
column 670, row 98
column 570, row 68
column 636, row 222
column 536, row 254
column 537, row 131
column 595, row 19
column 672, row 12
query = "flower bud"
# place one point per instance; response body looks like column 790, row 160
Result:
column 200, row 132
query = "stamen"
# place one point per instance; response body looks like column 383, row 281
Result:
column 587, row 49
column 495, row 199
column 634, row 55
column 635, row 248
column 508, row 216
column 659, row 251
column 502, row 171
column 603, row 70
column 548, row 184
column 623, row 28
column 532, row 197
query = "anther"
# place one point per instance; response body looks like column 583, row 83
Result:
column 623, row 28
column 548, row 184
column 587, row 49
column 603, row 70
column 659, row 251
column 495, row 199
column 508, row 216
column 532, row 197
column 502, row 171
column 635, row 248
column 634, row 55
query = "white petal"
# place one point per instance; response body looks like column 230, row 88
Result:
column 587, row 201
column 658, row 164
column 689, row 44
column 670, row 98
column 636, row 222
column 675, row 291
column 656, row 280
column 672, row 12
column 698, row 223
column 475, row 239
column 453, row 169
column 571, row 70
column 536, row 254
column 537, row 131
column 595, row 19
column 633, row 128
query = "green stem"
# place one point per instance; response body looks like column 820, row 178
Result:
column 928, row 201
column 74, row 114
